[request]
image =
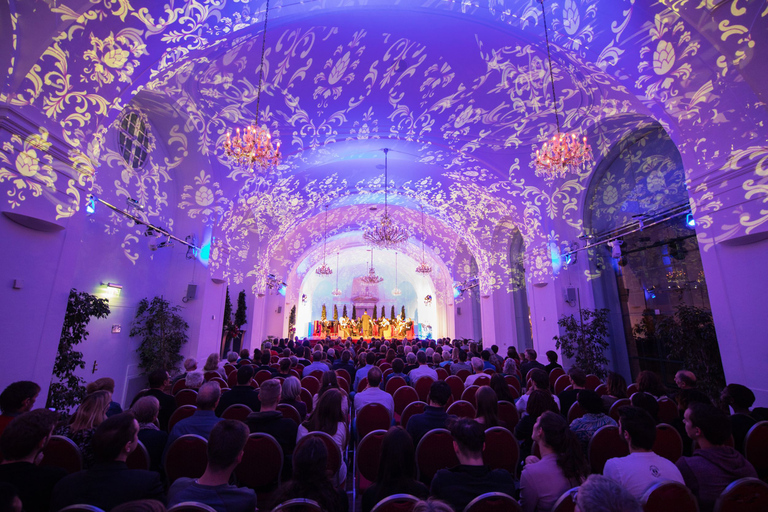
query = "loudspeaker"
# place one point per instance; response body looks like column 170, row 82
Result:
column 458, row 311
column 191, row 291
column 279, row 309
column 570, row 294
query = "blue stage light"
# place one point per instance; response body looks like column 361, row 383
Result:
column 90, row 205
column 205, row 252
column 689, row 221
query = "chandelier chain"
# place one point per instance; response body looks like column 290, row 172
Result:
column 549, row 59
column 263, row 53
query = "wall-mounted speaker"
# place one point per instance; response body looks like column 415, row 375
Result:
column 191, row 291
column 458, row 311
column 279, row 309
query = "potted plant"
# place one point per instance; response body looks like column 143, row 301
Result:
column 162, row 331
column 586, row 339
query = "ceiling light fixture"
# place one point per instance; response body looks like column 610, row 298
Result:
column 336, row 292
column 254, row 149
column 371, row 278
column 423, row 268
column 386, row 235
column 396, row 291
column 324, row 269
column 564, row 153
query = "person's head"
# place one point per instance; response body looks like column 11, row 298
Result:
column 539, row 378
column 591, row 402
column 577, row 377
column 552, row 430
column 292, row 388
column 19, row 397
column 477, row 365
column 421, row 357
column 345, row 356
column 212, row 363
column 708, row 422
column 552, row 356
column 485, row 355
column 432, row 505
column 269, row 393
column 194, row 380
column 510, row 367
column 540, row 401
column 190, row 364
column 92, row 411
column 439, row 393
column 225, row 444
column 115, row 438
column 601, row 494
column 244, row 354
column 647, row 402
column 685, row 379
column 329, row 380
column 158, row 378
column 531, row 354
column 146, row 409
column 739, row 397
column 512, row 352
column 317, row 356
column 374, row 377
column 310, row 460
column 398, row 365
column 468, row 438
column 208, row 396
column 637, row 427
column 102, row 384
column 266, row 358
column 487, row 406
column 462, row 356
column 9, row 498
column 232, row 357
column 244, row 375
column 370, row 358
column 617, row 386
column 27, row 434
column 649, row 382
column 285, row 366
column 500, row 386
column 410, row 358
column 398, row 461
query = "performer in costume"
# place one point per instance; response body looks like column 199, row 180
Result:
column 386, row 331
column 366, row 325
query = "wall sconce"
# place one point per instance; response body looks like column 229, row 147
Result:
column 113, row 290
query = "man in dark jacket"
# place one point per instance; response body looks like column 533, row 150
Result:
column 434, row 415
column 158, row 380
column 243, row 393
column 271, row 421
column 109, row 482
column 714, row 465
column 530, row 363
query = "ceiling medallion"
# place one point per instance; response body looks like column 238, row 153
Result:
column 564, row 153
column 423, row 268
column 336, row 292
column 386, row 234
column 254, row 149
column 371, row 278
column 396, row 291
column 324, row 269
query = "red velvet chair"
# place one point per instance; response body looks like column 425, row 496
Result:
column 298, row 505
column 372, row 417
column 261, row 466
column 185, row 411
column 462, row 409
column 362, row 385
column 502, row 450
column 512, row 381
column 185, row 397
column 393, row 384
column 191, row 506
column 605, row 444
column 668, row 442
column 311, row 384
column 592, row 382
column 186, row 457
column 262, row 375
column 566, row 502
column 435, row 452
column 222, row 383
column 457, row 386
column 442, row 373
column 483, row 380
column 463, row 374
column 367, row 457
column 601, row 390
column 469, row 395
column 318, row 374
column 334, row 453
column 138, row 458
column 236, row 412
column 62, row 452
column 632, row 389
column 575, row 412
column 81, row 507
column 396, row 503
column 344, row 373
column 422, row 386
column 211, row 374
column 229, row 368
column 756, row 447
column 667, row 410
column 306, row 397
column 178, row 386
column 290, row 412
column 508, row 414
column 744, row 495
column 232, row 379
column 561, row 383
column 493, row 502
column 668, row 495
column 618, row 404
column 402, row 397
column 411, row 410
column 554, row 375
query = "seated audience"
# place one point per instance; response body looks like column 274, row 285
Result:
column 648, row 403
column 485, row 355
column 617, row 389
column 194, row 380
column 539, row 402
column 311, row 480
column 649, row 382
column 397, row 470
column 271, row 421
column 22, row 445
column 471, row 478
column 140, row 506
column 601, row 494
column 291, row 395
column 461, row 363
column 530, row 363
column 328, row 417
column 345, row 363
column 537, row 379
column 243, row 393
column 105, row 384
column 552, row 358
column 593, row 419
column 212, row 365
column 361, row 373
column 266, row 359
column 317, row 364
column 373, row 394
column 232, row 358
column 331, row 381
column 561, row 467
column 88, row 416
column 145, row 410
column 423, row 370
column 477, row 372
column 204, row 419
column 739, row 398
column 500, row 386
column 109, row 482
column 159, row 380
column 512, row 353
column 641, row 468
column 488, row 408
column 685, row 379
column 411, row 362
column 568, row 397
column 225, row 451
column 714, row 465
column 434, row 415
column 684, row 398
column 284, row 368
column 17, row 399
column 398, row 365
column 190, row 365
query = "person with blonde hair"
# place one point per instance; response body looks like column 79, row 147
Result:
column 212, row 365
column 105, row 384
column 88, row 416
column 291, row 395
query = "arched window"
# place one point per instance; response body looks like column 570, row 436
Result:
column 134, row 138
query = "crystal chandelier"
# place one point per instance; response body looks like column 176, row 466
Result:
column 386, row 234
column 371, row 278
column 336, row 292
column 396, row 291
column 254, row 148
column 564, row 153
column 324, row 269
column 423, row 268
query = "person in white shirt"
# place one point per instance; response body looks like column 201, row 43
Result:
column 641, row 468
column 477, row 368
column 373, row 394
column 537, row 380
column 422, row 370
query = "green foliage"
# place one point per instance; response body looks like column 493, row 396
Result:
column 344, row 311
column 162, row 332
column 354, row 312
column 227, row 320
column 292, row 316
column 323, row 314
column 240, row 319
column 586, row 339
column 402, row 313
column 383, row 312
column 375, row 313
column 689, row 336
column 335, row 313
column 69, row 390
column 392, row 313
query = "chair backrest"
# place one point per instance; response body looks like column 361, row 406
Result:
column 576, row 411
column 394, row 384
column 744, row 495
column 138, row 458
column 262, row 375
column 463, row 374
column 422, row 386
column 183, row 412
column 236, row 412
column 396, row 503
column 462, row 409
column 232, row 379
column 667, row 410
column 514, row 392
column 187, row 456
column 178, row 386
column 457, row 386
column 554, row 375
column 511, row 380
column 191, row 506
column 483, row 380
column 341, row 372
column 210, row 374
column 229, row 368
column 632, row 389
column 262, row 463
column 669, row 443
column 566, row 503
column 605, row 444
column 306, row 397
column 372, row 417
column 618, row 404
column 508, row 414
column 669, row 495
column 81, row 507
column 602, row 389
column 290, row 412
column 185, row 397
column 592, row 381
column 502, row 450
column 434, row 452
column 298, row 505
column 469, row 395
column 343, row 384
column 492, row 502
column 404, row 396
column 442, row 373
column 334, row 453
column 561, row 383
column 386, row 372
column 411, row 409
column 368, row 455
column 62, row 452
column 311, row 384
column 383, row 365
column 362, row 385
column 756, row 446
column 318, row 374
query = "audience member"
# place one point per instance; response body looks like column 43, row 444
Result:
column 422, row 370
column 567, row 398
column 537, row 379
column 471, row 478
column 328, row 417
column 194, row 380
column 477, row 372
column 105, row 384
column 331, row 381
column 373, row 394
column 345, row 363
column 87, row 417
column 617, row 389
column 265, row 360
column 485, row 355
column 9, row 498
column 488, row 408
column 530, row 362
column 461, row 364
column 593, row 419
column 562, row 464
column 649, row 382
column 204, row 418
column 512, row 353
column 398, row 365
column 158, row 380
column 411, row 362
column 284, row 368
column 362, row 373
column 271, row 421
column 22, row 445
column 432, row 505
column 225, row 451
column 245, row 357
column 641, row 468
column 17, row 399
column 714, row 465
column 539, row 401
column 685, row 379
column 648, row 403
column 552, row 358
column 291, row 394
column 500, row 386
column 317, row 364
column 434, row 415
column 212, row 365
column 110, row 483
column 190, row 365
column 145, row 410
column 739, row 398
column 243, row 393
column 601, row 494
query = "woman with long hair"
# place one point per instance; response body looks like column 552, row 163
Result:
column 330, row 381
column 105, row 384
column 488, row 408
column 328, row 417
column 500, row 386
column 310, row 479
column 617, row 389
column 561, row 467
column 291, row 395
column 397, row 470
column 88, row 416
column 212, row 365
column 649, row 382
column 539, row 401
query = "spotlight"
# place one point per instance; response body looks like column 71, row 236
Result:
column 689, row 221
column 90, row 205
column 165, row 243
column 615, row 246
column 133, row 203
column 150, row 232
column 651, row 292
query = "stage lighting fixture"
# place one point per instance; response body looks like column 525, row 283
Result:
column 90, row 206
column 689, row 221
